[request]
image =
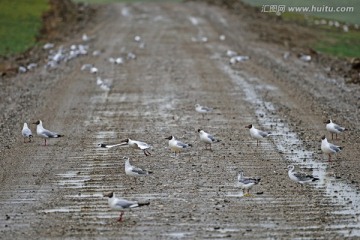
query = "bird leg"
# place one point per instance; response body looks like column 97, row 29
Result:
column 329, row 157
column 332, row 136
column 146, row 152
column 120, row 217
column 45, row 141
column 257, row 142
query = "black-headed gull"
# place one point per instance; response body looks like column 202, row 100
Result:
column 207, row 138
column 257, row 134
column 138, row 145
column 26, row 132
column 177, row 146
column 334, row 128
column 300, row 177
column 131, row 143
column 329, row 148
column 246, row 183
column 133, row 171
column 122, row 204
column 44, row 133
column 202, row 109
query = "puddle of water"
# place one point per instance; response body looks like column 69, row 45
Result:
column 178, row 234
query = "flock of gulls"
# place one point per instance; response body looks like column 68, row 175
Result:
column 176, row 147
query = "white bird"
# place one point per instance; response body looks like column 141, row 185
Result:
column 300, row 177
column 334, row 128
column 138, row 145
column 239, row 58
column 93, row 70
column 207, row 138
column 122, row 204
column 104, row 84
column 131, row 143
column 44, row 133
column 177, row 146
column 257, row 134
column 329, row 148
column 246, row 183
column 133, row 171
column 231, row 53
column 26, row 132
column 202, row 109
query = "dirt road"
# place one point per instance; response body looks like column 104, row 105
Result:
column 56, row 191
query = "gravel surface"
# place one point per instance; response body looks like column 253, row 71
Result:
column 56, row 191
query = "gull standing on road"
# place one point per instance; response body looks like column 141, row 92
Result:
column 329, row 148
column 257, row 134
column 26, row 132
column 177, row 146
column 122, row 204
column 334, row 128
column 207, row 138
column 134, row 171
column 202, row 109
column 44, row 133
column 246, row 183
column 131, row 143
column 300, row 177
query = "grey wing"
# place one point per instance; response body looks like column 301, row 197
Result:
column 206, row 109
column 49, row 133
column 211, row 138
column 181, row 144
column 139, row 170
column 142, row 145
column 26, row 132
column 263, row 134
column 248, row 180
column 337, row 127
column 335, row 148
column 124, row 203
column 303, row 176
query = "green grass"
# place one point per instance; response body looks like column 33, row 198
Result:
column 20, row 23
column 340, row 44
column 332, row 40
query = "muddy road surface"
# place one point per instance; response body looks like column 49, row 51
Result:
column 178, row 59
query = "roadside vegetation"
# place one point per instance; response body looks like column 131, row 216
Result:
column 339, row 32
column 20, row 21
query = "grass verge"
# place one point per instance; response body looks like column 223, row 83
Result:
column 20, row 21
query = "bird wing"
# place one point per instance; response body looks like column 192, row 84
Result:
column 263, row 134
column 249, row 180
column 206, row 109
column 302, row 176
column 211, row 138
column 26, row 132
column 49, row 134
column 334, row 148
column 125, row 203
column 181, row 144
column 139, row 170
column 142, row 145
column 337, row 127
